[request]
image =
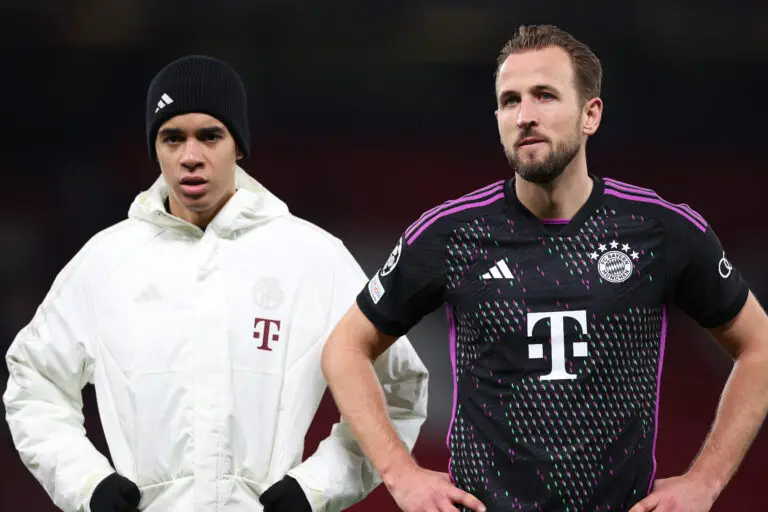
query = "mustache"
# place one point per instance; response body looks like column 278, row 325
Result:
column 528, row 132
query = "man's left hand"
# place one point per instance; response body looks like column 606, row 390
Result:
column 678, row 494
column 285, row 496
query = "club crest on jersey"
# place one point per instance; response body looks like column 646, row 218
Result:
column 615, row 261
column 389, row 266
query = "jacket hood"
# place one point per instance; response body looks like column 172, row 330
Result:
column 251, row 206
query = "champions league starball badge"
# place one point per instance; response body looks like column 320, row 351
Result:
column 391, row 263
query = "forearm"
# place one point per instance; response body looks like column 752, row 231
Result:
column 52, row 444
column 339, row 474
column 360, row 398
column 740, row 414
column 43, row 406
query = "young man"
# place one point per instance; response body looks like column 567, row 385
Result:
column 556, row 284
column 200, row 320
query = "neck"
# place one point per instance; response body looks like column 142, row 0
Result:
column 200, row 219
column 562, row 197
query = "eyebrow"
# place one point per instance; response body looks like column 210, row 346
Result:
column 543, row 87
column 536, row 88
column 170, row 132
column 201, row 132
column 210, row 130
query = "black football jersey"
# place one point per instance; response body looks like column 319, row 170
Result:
column 557, row 332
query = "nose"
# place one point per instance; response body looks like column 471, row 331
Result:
column 526, row 114
column 192, row 155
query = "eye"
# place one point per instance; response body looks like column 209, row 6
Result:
column 211, row 137
column 545, row 96
column 173, row 139
column 510, row 100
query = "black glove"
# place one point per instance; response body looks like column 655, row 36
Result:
column 285, row 496
column 115, row 494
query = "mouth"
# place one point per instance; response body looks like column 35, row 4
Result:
column 529, row 141
column 193, row 185
column 193, row 180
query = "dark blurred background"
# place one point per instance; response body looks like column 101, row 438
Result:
column 365, row 114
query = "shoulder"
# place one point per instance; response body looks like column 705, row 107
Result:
column 306, row 243
column 294, row 230
column 101, row 251
column 124, row 232
column 318, row 254
column 117, row 240
column 677, row 218
column 441, row 220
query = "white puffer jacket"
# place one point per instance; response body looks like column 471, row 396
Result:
column 204, row 349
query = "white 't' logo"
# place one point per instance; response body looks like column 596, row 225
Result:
column 557, row 339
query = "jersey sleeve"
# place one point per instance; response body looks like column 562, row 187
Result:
column 409, row 286
column 709, row 289
column 49, row 362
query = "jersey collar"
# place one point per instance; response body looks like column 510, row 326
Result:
column 568, row 227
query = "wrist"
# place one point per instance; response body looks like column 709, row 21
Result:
column 711, row 483
column 394, row 468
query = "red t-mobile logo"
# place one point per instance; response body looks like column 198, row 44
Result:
column 267, row 331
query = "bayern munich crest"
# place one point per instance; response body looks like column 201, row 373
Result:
column 615, row 261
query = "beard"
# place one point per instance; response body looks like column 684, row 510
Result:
column 548, row 169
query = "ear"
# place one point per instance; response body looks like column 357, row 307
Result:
column 592, row 114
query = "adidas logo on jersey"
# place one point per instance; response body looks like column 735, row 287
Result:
column 498, row 271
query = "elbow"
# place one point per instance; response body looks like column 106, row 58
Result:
column 334, row 354
column 342, row 351
column 16, row 390
column 327, row 358
column 756, row 354
column 353, row 343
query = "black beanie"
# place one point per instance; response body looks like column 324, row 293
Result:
column 199, row 84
